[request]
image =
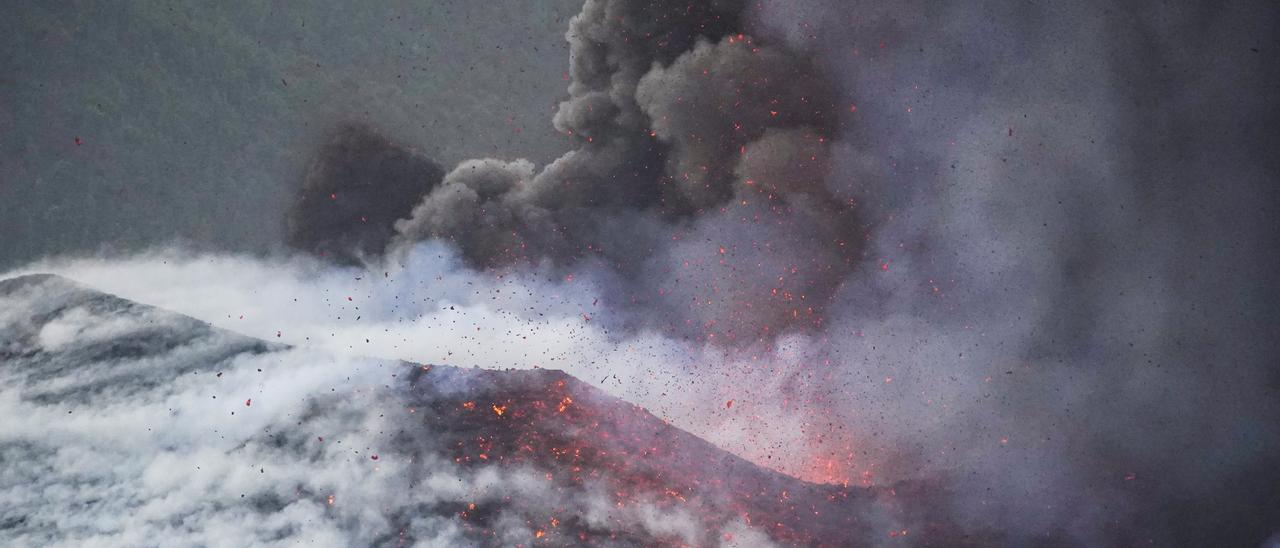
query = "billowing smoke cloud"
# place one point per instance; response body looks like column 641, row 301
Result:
column 1065, row 308
column 698, row 183
column 998, row 324
column 1055, row 324
column 354, row 190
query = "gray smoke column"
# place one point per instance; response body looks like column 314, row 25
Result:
column 1075, row 209
column 1064, row 312
column 698, row 183
column 356, row 187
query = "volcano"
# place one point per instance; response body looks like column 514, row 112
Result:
column 130, row 425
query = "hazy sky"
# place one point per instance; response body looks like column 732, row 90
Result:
column 196, row 120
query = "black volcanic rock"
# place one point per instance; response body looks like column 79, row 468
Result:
column 130, row 425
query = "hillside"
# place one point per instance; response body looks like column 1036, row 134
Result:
column 126, row 424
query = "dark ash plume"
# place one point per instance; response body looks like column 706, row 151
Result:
column 698, row 181
column 357, row 186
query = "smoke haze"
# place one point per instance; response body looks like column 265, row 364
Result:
column 1026, row 252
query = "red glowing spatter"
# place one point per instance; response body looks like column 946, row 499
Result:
column 884, row 266
column 565, row 402
column 728, row 404
column 499, row 410
column 330, row 500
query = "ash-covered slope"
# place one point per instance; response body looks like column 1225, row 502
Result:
column 128, row 425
